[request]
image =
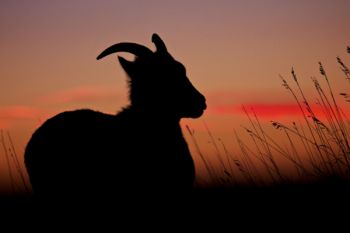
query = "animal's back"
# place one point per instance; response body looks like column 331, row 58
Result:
column 88, row 153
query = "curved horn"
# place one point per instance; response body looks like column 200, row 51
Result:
column 136, row 49
column 160, row 45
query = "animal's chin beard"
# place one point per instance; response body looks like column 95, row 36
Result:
column 194, row 115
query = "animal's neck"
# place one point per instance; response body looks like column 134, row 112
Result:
column 151, row 116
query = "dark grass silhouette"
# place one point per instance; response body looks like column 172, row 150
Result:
column 139, row 154
column 318, row 149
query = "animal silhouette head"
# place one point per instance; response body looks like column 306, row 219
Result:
column 158, row 83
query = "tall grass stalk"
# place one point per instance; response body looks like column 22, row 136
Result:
column 12, row 181
column 208, row 167
column 17, row 164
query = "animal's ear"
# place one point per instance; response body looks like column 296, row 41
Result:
column 160, row 45
column 127, row 65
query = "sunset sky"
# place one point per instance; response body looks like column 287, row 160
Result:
column 234, row 52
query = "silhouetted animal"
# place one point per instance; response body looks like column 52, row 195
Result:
column 141, row 150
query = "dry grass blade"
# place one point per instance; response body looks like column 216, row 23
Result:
column 209, row 169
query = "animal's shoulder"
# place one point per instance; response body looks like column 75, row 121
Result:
column 82, row 115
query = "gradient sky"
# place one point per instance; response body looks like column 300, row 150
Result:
column 233, row 52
